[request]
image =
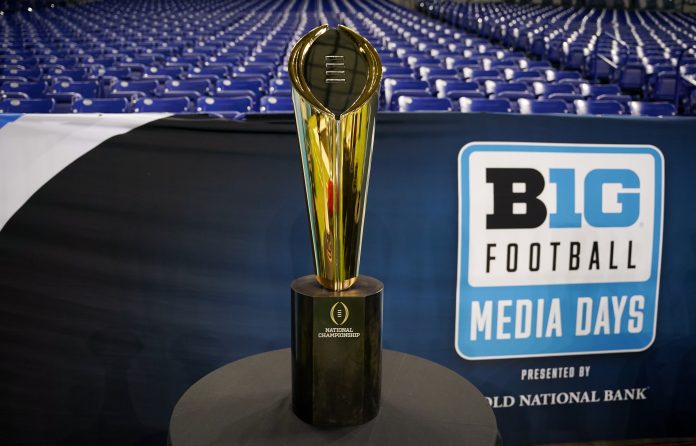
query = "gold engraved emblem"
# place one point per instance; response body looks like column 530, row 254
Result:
column 339, row 313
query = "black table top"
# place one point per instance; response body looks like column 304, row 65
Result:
column 248, row 402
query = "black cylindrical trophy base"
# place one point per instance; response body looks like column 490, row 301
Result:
column 336, row 352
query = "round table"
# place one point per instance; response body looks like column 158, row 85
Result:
column 248, row 402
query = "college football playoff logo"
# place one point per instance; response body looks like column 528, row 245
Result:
column 339, row 313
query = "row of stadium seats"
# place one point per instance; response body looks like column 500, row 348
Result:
column 238, row 104
column 605, row 105
column 186, row 55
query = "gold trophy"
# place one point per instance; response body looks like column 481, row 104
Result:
column 336, row 314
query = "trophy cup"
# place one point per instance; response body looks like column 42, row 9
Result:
column 336, row 314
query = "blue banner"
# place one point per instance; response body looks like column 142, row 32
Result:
column 167, row 250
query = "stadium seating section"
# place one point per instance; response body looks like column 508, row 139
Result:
column 229, row 58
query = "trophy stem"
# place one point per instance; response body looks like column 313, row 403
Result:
column 336, row 352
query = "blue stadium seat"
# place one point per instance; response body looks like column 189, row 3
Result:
column 429, row 72
column 282, row 72
column 75, row 75
column 106, row 62
column 391, row 85
column 397, row 72
column 391, row 65
column 445, row 86
column 559, row 76
column 200, row 86
column 241, row 104
column 664, row 87
column 264, row 59
column 397, row 94
column 229, row 59
column 391, row 60
column 147, row 59
column 542, row 106
column 621, row 99
column 27, row 105
column 6, row 79
column 212, row 78
column 31, row 74
column 496, row 64
column 180, row 66
column 659, row 68
column 264, row 70
column 276, row 104
column 137, row 70
column 513, row 97
column 148, row 87
column 481, row 75
column 119, row 73
column 599, row 68
column 524, row 76
column 192, row 95
column 474, row 105
column 497, row 87
column 595, row 107
column 568, row 98
column 106, row 84
column 543, row 89
column 237, row 94
column 13, row 95
column 280, row 87
column 595, row 90
column 526, row 64
column 170, row 72
column 659, row 109
column 455, row 95
column 460, row 62
column 424, row 104
column 31, row 89
column 574, row 58
column 632, row 78
column 130, row 96
column 162, row 105
column 190, row 59
column 418, row 61
column 256, row 86
column 217, row 71
column 112, row 105
column 86, row 89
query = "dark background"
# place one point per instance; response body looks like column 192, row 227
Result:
column 167, row 252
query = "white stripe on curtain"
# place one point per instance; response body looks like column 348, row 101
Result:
column 36, row 147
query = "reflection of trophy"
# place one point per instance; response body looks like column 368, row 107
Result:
column 336, row 315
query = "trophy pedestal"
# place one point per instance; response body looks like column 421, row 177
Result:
column 247, row 402
column 336, row 352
